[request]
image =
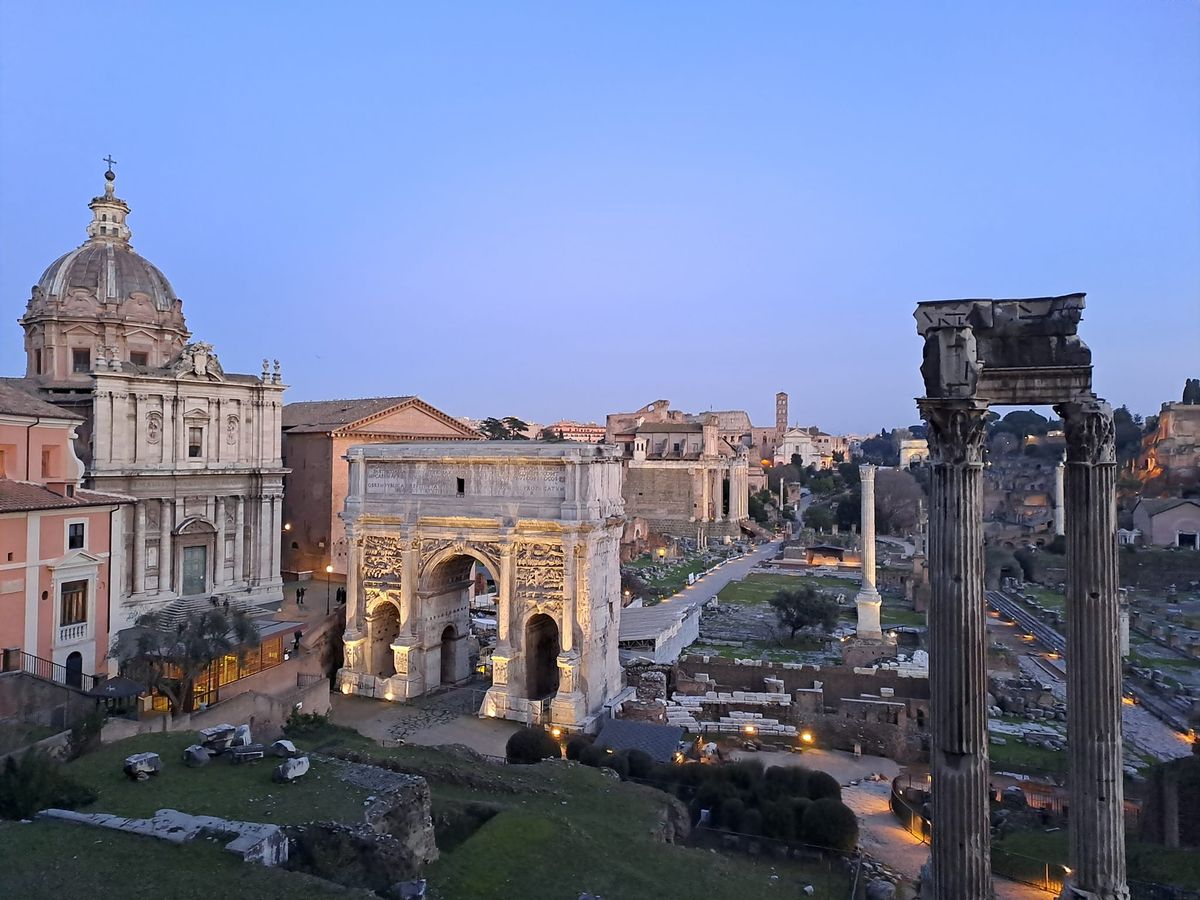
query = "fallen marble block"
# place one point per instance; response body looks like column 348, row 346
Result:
column 217, row 739
column 247, row 753
column 283, row 748
column 141, row 766
column 195, row 756
column 241, row 736
column 291, row 769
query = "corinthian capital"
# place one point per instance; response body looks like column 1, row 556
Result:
column 956, row 431
column 1091, row 435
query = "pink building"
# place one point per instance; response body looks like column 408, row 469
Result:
column 55, row 542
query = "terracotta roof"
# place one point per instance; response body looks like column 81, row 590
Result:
column 18, row 397
column 669, row 428
column 329, row 415
column 17, row 496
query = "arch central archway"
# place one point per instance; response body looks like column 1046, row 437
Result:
column 541, row 656
column 383, row 627
column 442, row 617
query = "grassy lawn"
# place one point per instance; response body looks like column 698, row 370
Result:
column 1147, row 862
column 675, row 579
column 1047, row 598
column 1024, row 758
column 51, row 860
column 1149, row 661
column 761, row 588
column 900, row 615
column 561, row 830
column 14, row 735
column 243, row 791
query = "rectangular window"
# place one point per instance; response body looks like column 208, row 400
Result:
column 195, row 442
column 37, row 362
column 74, row 603
column 47, row 462
column 75, row 533
column 251, row 662
column 272, row 652
column 139, row 359
column 81, row 360
column 460, row 485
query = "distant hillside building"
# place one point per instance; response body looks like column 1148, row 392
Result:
column 316, row 436
column 1169, row 523
column 1170, row 459
column 581, row 432
column 814, row 447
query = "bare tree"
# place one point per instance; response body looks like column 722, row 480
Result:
column 897, row 499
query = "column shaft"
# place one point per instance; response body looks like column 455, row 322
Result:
column 139, row 547
column 219, row 555
column 166, row 524
column 504, row 595
column 1097, row 822
column 239, row 540
column 957, row 652
column 567, row 634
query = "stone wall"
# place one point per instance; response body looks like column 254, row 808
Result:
column 36, row 702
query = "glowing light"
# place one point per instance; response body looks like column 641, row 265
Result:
column 806, row 736
column 329, row 570
column 1128, row 701
column 1066, row 870
column 555, row 732
column 287, row 526
column 679, row 757
column 345, row 688
column 749, row 729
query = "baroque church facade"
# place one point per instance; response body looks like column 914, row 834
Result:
column 196, row 447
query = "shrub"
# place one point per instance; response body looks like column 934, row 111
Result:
column 618, row 762
column 830, row 823
column 299, row 723
column 752, row 822
column 577, row 744
column 37, row 782
column 641, row 764
column 777, row 820
column 530, row 745
column 85, row 733
column 730, row 812
column 593, row 756
column 822, row 785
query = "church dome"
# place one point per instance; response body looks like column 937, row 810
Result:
column 105, row 266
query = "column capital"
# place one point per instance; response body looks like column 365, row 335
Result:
column 957, row 429
column 1090, row 432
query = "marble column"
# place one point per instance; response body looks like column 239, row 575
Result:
column 1059, row 502
column 354, row 604
column 504, row 597
column 139, row 547
column 958, row 651
column 263, row 569
column 1097, row 824
column 166, row 552
column 868, row 601
column 219, row 555
column 239, row 540
column 410, row 565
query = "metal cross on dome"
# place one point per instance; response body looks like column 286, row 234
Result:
column 111, row 162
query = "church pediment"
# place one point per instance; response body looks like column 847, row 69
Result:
column 412, row 418
column 77, row 559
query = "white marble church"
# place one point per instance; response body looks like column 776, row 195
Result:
column 198, row 447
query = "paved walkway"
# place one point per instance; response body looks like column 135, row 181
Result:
column 445, row 717
column 714, row 582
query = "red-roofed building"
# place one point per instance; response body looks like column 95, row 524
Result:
column 56, row 541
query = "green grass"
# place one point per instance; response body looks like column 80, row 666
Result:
column 15, row 735
column 675, row 579
column 220, row 788
column 1024, row 758
column 1146, row 862
column 562, row 830
column 1162, row 662
column 51, row 860
column 900, row 615
column 761, row 588
column 1047, row 598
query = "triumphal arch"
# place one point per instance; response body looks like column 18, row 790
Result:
column 543, row 519
column 979, row 354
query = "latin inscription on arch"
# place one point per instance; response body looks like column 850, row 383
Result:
column 437, row 480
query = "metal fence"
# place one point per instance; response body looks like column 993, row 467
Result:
column 46, row 670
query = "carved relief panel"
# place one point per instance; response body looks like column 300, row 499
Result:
column 539, row 574
column 382, row 561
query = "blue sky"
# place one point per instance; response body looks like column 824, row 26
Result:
column 566, row 209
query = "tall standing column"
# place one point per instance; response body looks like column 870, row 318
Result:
column 139, row 547
column 868, row 602
column 958, row 651
column 239, row 539
column 166, row 524
column 1059, row 502
column 1097, row 823
column 219, row 555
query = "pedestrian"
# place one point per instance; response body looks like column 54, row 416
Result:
column 299, row 596
column 296, row 641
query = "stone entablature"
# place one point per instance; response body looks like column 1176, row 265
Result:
column 545, row 520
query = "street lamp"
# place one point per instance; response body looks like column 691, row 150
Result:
column 328, row 580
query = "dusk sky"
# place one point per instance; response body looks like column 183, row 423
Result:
column 563, row 210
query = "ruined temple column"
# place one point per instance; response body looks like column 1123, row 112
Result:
column 1059, row 510
column 1097, row 822
column 868, row 601
column 957, row 651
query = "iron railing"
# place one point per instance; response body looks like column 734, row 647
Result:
column 46, row 670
